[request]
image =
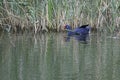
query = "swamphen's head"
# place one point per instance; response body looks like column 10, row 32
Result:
column 68, row 27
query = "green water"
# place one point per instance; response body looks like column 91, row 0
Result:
column 50, row 57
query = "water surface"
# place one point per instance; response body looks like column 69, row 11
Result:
column 51, row 57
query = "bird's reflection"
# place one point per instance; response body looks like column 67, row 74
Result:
column 80, row 38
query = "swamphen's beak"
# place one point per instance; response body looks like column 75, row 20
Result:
column 64, row 27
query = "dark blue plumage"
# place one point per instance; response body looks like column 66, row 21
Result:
column 82, row 30
column 80, row 33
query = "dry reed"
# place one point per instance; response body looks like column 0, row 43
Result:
column 36, row 16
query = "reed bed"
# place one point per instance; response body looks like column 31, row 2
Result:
column 47, row 15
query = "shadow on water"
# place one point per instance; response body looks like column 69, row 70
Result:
column 81, row 38
column 49, row 57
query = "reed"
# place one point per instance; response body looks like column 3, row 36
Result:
column 39, row 15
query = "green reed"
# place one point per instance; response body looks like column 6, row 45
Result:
column 38, row 15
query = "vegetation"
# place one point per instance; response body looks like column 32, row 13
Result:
column 39, row 15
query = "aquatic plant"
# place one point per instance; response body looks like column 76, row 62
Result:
column 39, row 15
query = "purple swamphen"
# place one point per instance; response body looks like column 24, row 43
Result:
column 80, row 33
column 81, row 30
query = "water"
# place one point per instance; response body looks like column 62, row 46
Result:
column 50, row 57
